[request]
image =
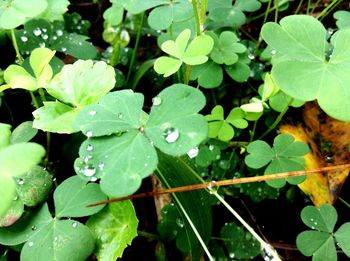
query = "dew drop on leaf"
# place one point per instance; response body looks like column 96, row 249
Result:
column 88, row 134
column 33, row 228
column 45, row 36
column 192, row 153
column 20, row 181
column 42, row 45
column 88, row 171
column 101, row 165
column 120, row 115
column 92, row 113
column 55, row 238
column 15, row 198
column 179, row 222
column 93, row 178
column 89, row 147
column 251, row 56
column 74, row 224
column 171, row 135
column 59, row 32
column 156, row 101
column 24, row 38
column 31, row 243
column 37, row 31
column 211, row 147
column 231, row 255
column 64, row 49
column 273, row 52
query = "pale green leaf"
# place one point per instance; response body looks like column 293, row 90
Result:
column 114, row 229
column 5, row 136
column 23, row 132
column 39, row 59
column 8, row 189
column 167, row 65
column 343, row 238
column 198, row 49
column 209, row 75
column 322, row 219
column 73, row 195
column 17, row 77
column 260, row 154
column 55, row 10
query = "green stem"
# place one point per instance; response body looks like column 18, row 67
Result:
column 15, row 45
column 344, row 202
column 265, row 19
column 264, row 246
column 187, row 74
column 147, row 235
column 276, row 11
column 299, row 6
column 328, row 9
column 196, row 16
column 277, row 121
column 314, row 7
column 137, row 41
column 252, row 134
column 308, row 7
column 34, row 100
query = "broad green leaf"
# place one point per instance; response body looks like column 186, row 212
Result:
column 114, row 229
column 342, row 236
column 260, row 154
column 17, row 12
column 55, row 117
column 239, row 71
column 5, row 136
column 175, row 172
column 239, row 244
column 115, row 113
column 236, row 118
column 248, row 5
column 17, row 159
column 55, row 10
column 73, row 195
column 319, row 244
column 226, row 48
column 197, row 50
column 114, row 14
column 280, row 101
column 322, row 219
column 174, row 124
column 13, row 213
column 25, row 227
column 121, row 161
column 35, row 186
column 209, row 75
column 138, row 6
column 8, row 188
column 343, row 19
column 305, row 73
column 17, row 77
column 39, row 61
column 167, row 65
column 59, row 240
column 23, row 132
column 226, row 17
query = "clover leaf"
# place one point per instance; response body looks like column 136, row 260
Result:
column 320, row 242
column 305, row 72
column 222, row 128
column 285, row 155
column 114, row 14
column 114, row 229
column 226, row 48
column 16, row 12
column 76, row 86
column 55, row 10
column 192, row 53
column 343, row 19
column 121, row 137
column 18, row 77
column 209, row 74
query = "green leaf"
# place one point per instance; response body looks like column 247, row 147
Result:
column 319, row 244
column 260, row 154
column 5, row 130
column 322, row 219
column 343, row 19
column 239, row 71
column 17, row 12
column 114, row 14
column 73, row 195
column 8, row 188
column 342, row 236
column 318, row 77
column 35, row 186
column 280, row 101
column 209, row 75
column 55, row 10
column 226, row 48
column 39, row 61
column 174, row 124
column 13, row 213
column 23, row 132
column 121, row 161
column 167, row 65
column 240, row 244
column 59, row 240
column 114, row 229
column 25, row 227
column 17, row 77
column 175, row 172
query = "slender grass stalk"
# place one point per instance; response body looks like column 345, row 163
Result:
column 344, row 202
column 188, row 74
column 308, row 7
column 276, row 11
column 15, row 45
column 196, row 16
column 134, row 53
column 298, row 7
column 315, row 6
column 252, row 133
column 328, row 9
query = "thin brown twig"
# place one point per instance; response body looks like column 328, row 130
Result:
column 225, row 183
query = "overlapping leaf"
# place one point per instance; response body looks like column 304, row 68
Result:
column 121, row 138
column 285, row 155
column 306, row 73
column 76, row 86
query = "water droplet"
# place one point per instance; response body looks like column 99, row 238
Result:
column 179, row 222
column 42, row 45
column 106, row 156
column 330, row 30
column 31, row 243
column 231, row 255
column 88, row 171
column 59, row 32
column 55, row 238
column 251, row 56
column 89, row 134
column 15, row 198
column 212, row 187
column 64, row 49
column 312, row 227
column 74, row 224
column 273, row 52
column 192, row 153
column 45, row 36
column 93, row 179
column 171, row 135
column 120, row 115
column 34, row 228
column 20, row 181
column 146, row 164
column 80, row 43
column 89, row 147
column 211, row 147
column 54, row 37
column 92, row 113
column 24, row 38
column 156, row 101
column 101, row 165
column 37, row 31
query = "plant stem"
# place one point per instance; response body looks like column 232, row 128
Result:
column 187, row 74
column 328, row 9
column 314, row 7
column 264, row 246
column 299, row 6
column 147, row 235
column 15, row 45
column 344, row 202
column 252, row 133
column 267, row 11
column 277, row 121
column 308, row 7
column 137, row 41
column 196, row 16
column 34, row 100
column 276, row 11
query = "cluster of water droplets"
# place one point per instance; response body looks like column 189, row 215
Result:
column 314, row 222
